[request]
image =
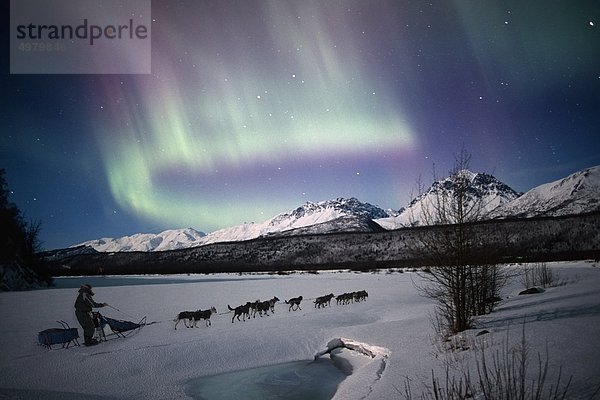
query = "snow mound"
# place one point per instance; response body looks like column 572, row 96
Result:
column 364, row 372
column 363, row 348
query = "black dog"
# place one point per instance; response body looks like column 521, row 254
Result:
column 202, row 314
column 184, row 315
column 323, row 300
column 361, row 296
column 240, row 310
column 266, row 306
column 294, row 302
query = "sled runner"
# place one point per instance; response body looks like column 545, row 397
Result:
column 118, row 327
column 65, row 336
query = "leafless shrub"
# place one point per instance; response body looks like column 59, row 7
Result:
column 538, row 274
column 506, row 375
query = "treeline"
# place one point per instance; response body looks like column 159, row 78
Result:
column 19, row 246
column 516, row 240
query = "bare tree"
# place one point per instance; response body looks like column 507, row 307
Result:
column 19, row 240
column 459, row 279
column 31, row 242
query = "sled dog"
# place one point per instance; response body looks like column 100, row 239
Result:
column 294, row 303
column 323, row 301
column 202, row 314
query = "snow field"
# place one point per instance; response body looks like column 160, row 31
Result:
column 157, row 362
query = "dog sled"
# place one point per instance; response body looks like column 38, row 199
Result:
column 119, row 327
column 64, row 336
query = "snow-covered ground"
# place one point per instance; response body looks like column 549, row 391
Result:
column 392, row 326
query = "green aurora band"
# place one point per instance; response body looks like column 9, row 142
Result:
column 316, row 100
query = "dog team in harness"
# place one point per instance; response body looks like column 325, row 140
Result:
column 93, row 323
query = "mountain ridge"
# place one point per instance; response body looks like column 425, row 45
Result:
column 310, row 217
column 574, row 194
column 482, row 189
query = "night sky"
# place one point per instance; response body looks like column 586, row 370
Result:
column 255, row 107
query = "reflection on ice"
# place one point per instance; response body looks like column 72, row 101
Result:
column 26, row 394
column 71, row 282
column 317, row 379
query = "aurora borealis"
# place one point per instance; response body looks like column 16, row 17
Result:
column 277, row 102
column 256, row 107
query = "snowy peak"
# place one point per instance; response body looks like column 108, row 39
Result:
column 166, row 240
column 478, row 185
column 577, row 193
column 479, row 188
column 344, row 224
column 309, row 214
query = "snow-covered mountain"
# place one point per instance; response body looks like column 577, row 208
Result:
column 167, row 240
column 577, row 193
column 310, row 214
column 482, row 189
column 318, row 216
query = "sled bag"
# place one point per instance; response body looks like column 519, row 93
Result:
column 53, row 336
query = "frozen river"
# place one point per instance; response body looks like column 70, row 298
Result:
column 388, row 338
column 67, row 282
